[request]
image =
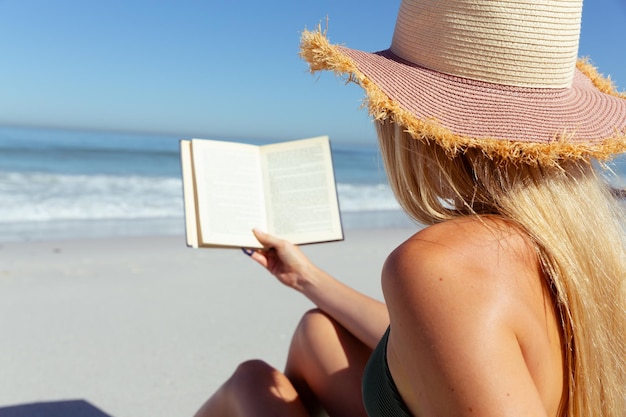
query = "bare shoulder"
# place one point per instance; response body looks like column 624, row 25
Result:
column 479, row 245
column 468, row 260
column 466, row 306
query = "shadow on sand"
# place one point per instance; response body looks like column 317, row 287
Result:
column 68, row 408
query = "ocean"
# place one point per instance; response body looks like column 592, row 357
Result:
column 57, row 184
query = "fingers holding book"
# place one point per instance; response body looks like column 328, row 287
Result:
column 282, row 259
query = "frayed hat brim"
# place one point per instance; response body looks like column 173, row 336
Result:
column 528, row 125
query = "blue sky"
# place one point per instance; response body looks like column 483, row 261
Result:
column 215, row 69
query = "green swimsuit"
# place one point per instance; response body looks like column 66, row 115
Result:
column 380, row 395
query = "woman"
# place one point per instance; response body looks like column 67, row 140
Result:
column 513, row 300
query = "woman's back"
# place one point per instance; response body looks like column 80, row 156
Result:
column 468, row 297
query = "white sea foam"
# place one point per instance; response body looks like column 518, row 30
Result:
column 35, row 197
column 366, row 197
column 31, row 196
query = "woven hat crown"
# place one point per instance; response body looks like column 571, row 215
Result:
column 528, row 43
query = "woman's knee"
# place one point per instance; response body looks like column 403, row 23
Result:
column 240, row 388
column 249, row 374
column 317, row 338
column 254, row 386
column 314, row 324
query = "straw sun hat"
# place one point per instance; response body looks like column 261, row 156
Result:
column 498, row 75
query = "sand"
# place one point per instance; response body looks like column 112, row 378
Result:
column 143, row 326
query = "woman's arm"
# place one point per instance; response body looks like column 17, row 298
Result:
column 365, row 317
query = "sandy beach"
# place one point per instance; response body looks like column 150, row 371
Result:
column 143, row 326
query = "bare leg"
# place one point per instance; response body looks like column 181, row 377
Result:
column 326, row 364
column 255, row 389
column 323, row 371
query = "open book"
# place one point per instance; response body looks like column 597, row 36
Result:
column 286, row 189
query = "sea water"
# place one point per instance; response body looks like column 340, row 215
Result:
column 68, row 183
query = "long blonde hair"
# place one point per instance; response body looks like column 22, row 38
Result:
column 578, row 230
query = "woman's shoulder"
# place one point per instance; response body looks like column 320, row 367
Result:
column 467, row 239
column 467, row 253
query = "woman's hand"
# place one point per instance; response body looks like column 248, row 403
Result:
column 363, row 316
column 283, row 260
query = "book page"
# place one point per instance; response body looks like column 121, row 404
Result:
column 189, row 194
column 300, row 189
column 229, row 192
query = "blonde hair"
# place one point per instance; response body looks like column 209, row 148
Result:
column 579, row 233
